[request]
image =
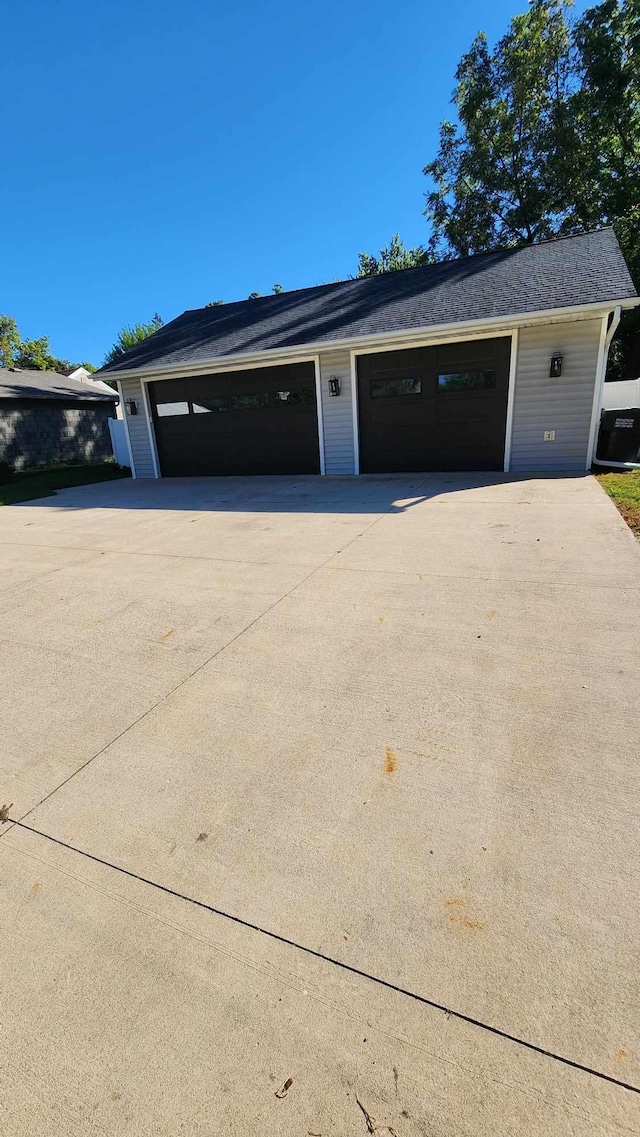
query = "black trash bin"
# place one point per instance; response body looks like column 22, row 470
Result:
column 619, row 437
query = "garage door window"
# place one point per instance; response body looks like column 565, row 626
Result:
column 303, row 398
column 467, row 381
column 210, row 406
column 250, row 402
column 390, row 388
column 168, row 410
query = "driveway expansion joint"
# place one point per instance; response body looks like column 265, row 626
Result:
column 469, row 1020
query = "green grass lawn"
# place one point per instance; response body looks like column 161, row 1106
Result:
column 624, row 489
column 29, row 484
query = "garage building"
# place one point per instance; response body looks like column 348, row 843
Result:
column 492, row 362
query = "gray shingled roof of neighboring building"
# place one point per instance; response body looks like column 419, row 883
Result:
column 49, row 385
column 573, row 271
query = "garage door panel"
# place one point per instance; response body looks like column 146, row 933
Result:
column 260, row 421
column 438, row 408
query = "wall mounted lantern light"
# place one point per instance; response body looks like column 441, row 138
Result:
column 132, row 406
column 334, row 385
column 555, row 368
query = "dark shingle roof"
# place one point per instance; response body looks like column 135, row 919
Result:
column 572, row 271
column 49, row 385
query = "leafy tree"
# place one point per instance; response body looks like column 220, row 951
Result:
column 607, row 110
column 30, row 355
column 131, row 335
column 497, row 171
column 9, row 341
column 392, row 257
column 278, row 289
column 547, row 138
column 35, row 355
column 214, row 303
column 254, row 295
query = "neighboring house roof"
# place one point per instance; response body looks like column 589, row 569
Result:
column 573, row 271
column 84, row 376
column 50, row 385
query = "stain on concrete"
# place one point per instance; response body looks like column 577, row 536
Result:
column 36, row 887
column 167, row 635
column 390, row 761
column 457, row 914
column 202, row 837
column 622, row 1055
column 491, row 613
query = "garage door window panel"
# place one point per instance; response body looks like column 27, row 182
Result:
column 463, row 381
column 394, row 388
column 172, row 410
column 305, row 397
column 210, row 406
column 254, row 402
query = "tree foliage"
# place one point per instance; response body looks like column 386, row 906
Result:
column 547, row 137
column 496, row 177
column 9, row 341
column 131, row 335
column 35, row 355
column 392, row 257
column 29, row 355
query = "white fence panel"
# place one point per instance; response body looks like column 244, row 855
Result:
column 621, row 394
column 119, row 441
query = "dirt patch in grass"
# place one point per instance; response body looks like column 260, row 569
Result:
column 624, row 490
column 30, row 484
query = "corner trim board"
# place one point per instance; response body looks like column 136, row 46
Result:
column 354, row 407
column 318, row 377
column 511, row 400
column 150, row 429
column 126, row 429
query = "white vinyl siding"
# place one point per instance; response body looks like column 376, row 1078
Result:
column 138, row 429
column 337, row 412
column 563, row 405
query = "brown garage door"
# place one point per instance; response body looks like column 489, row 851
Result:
column 434, row 408
column 262, row 421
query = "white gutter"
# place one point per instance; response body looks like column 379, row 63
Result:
column 618, row 465
column 430, row 331
column 613, row 327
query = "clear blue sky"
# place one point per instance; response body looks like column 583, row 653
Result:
column 160, row 155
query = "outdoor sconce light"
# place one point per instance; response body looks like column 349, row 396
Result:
column 132, row 406
column 555, row 369
column 334, row 385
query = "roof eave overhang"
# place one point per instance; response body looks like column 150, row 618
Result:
column 493, row 324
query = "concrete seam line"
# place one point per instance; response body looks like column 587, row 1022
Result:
column 139, row 553
column 432, row 1003
column 210, row 659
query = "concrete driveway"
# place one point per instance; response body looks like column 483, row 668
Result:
column 331, row 780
